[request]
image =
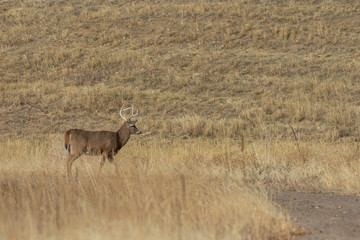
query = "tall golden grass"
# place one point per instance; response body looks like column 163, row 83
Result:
column 164, row 190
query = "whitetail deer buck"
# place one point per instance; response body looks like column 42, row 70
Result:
column 104, row 143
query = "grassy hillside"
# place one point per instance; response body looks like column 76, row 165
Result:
column 192, row 68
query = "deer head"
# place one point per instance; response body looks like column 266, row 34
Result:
column 128, row 122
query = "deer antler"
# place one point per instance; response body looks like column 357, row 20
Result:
column 121, row 110
column 132, row 113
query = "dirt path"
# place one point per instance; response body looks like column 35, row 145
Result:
column 321, row 215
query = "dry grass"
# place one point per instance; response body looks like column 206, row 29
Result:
column 203, row 75
column 166, row 190
column 195, row 188
column 291, row 61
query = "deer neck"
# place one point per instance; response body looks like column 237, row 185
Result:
column 123, row 134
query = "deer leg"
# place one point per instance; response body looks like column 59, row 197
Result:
column 113, row 163
column 69, row 162
column 101, row 164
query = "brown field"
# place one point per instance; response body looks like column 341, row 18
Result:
column 283, row 75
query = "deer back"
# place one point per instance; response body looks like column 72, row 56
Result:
column 93, row 142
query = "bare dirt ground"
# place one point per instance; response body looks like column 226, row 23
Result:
column 321, row 215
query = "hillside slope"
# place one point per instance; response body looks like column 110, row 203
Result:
column 215, row 68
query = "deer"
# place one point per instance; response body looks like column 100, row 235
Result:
column 99, row 143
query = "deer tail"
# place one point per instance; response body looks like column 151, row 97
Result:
column 67, row 141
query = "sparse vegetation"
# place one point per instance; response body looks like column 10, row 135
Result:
column 204, row 75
